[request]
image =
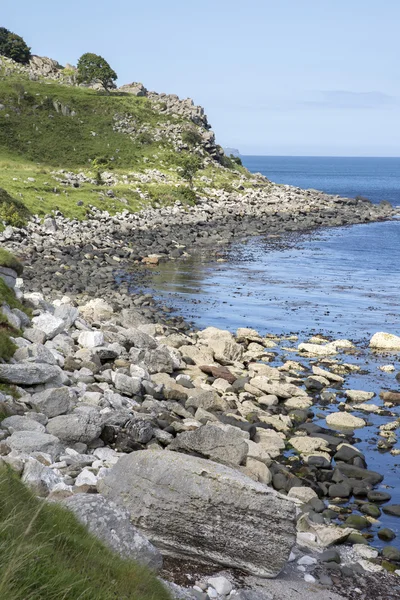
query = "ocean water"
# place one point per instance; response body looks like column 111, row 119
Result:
column 341, row 282
column 374, row 178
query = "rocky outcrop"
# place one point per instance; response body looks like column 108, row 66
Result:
column 189, row 506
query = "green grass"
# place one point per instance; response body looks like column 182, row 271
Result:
column 8, row 260
column 45, row 554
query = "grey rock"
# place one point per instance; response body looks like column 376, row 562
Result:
column 28, row 373
column 111, row 524
column 224, row 444
column 131, row 386
column 35, row 353
column 83, row 425
column 158, row 360
column 190, row 506
column 39, row 478
column 67, row 313
column 27, row 442
column 52, row 402
column 20, row 423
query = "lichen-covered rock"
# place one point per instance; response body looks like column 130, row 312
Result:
column 190, row 506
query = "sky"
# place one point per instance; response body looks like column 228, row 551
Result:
column 281, row 77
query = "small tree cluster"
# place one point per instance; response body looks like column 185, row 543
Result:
column 93, row 68
column 190, row 164
column 13, row 46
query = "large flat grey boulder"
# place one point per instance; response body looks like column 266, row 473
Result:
column 193, row 507
column 52, row 402
column 28, row 373
column 111, row 524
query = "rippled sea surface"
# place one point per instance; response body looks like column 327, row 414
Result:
column 341, row 282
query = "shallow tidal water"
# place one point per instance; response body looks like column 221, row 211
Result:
column 342, row 283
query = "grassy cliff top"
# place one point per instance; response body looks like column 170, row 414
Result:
column 47, row 127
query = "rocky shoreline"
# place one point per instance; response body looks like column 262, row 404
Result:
column 107, row 388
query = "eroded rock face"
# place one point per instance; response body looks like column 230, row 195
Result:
column 190, row 506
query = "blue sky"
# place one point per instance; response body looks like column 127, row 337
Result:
column 290, row 77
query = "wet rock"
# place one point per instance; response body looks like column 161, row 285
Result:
column 342, row 420
column 385, row 341
column 391, row 553
column 392, row 509
column 370, row 510
column 357, row 522
column 386, row 534
column 166, row 492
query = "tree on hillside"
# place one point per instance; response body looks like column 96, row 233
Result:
column 189, row 166
column 13, row 46
column 94, row 68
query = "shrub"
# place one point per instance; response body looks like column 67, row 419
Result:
column 92, row 68
column 12, row 212
column 145, row 138
column 236, row 159
column 8, row 260
column 191, row 137
column 13, row 46
column 189, row 166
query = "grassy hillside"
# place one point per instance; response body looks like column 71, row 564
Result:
column 45, row 554
column 46, row 127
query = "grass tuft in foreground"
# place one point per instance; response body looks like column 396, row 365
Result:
column 45, row 554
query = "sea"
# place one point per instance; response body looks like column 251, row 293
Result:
column 341, row 282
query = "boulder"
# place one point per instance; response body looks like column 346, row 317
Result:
column 341, row 420
column 359, row 395
column 385, row 341
column 49, row 324
column 192, row 507
column 223, row 344
column 52, row 402
column 20, row 423
column 96, row 310
column 35, row 353
column 111, row 524
column 84, row 425
column 91, row 339
column 41, row 479
column 222, row 443
column 27, row 442
column 28, row 373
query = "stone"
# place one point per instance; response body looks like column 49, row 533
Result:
column 28, row 442
column 385, row 341
column 20, row 423
column 28, row 373
column 340, row 490
column 52, row 402
column 341, row 420
column 305, row 444
column 111, row 524
column 330, row 556
column 392, row 397
column 357, row 522
column 386, row 534
column 346, row 470
column 49, row 324
column 392, row 509
column 270, row 441
column 223, row 344
column 35, row 353
column 91, row 339
column 40, row 479
column 359, row 395
column 67, row 313
column 192, row 506
column 258, row 471
column 281, row 390
column 317, row 349
column 391, row 553
column 371, row 510
column 130, row 386
column 86, row 478
column 219, row 372
column 316, row 383
column 207, row 400
column 304, row 494
column 83, row 425
column 224, row 444
column 221, row 585
column 97, row 310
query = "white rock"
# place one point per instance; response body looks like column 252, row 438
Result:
column 385, row 341
column 86, row 477
column 309, row 578
column 304, row 494
column 307, row 561
column 221, row 585
column 91, row 339
column 49, row 324
column 359, row 395
column 341, row 420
